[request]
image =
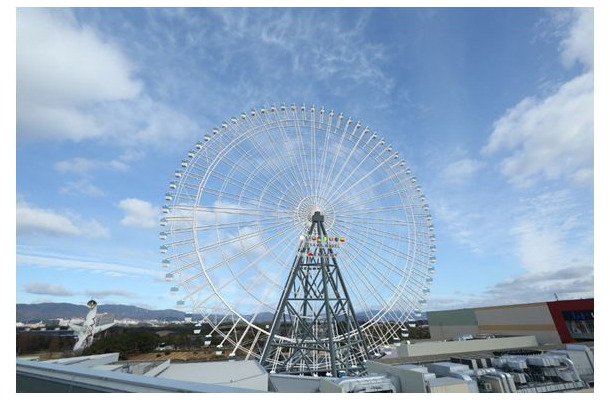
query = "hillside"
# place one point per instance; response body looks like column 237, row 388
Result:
column 46, row 311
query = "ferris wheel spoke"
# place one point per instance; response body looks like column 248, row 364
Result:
column 325, row 147
column 390, row 179
column 378, row 210
column 370, row 239
column 356, row 168
column 389, row 265
column 274, row 158
column 178, row 269
column 260, row 203
column 374, row 254
column 245, row 268
column 301, row 191
column 270, row 183
column 369, row 270
column 230, row 225
column 258, row 174
column 227, row 210
column 355, row 271
column 252, row 265
column 385, row 233
column 357, row 263
column 362, row 299
column 314, row 153
column 231, row 209
column 257, row 123
column 337, row 194
column 339, row 145
column 287, row 197
column 393, row 222
column 222, row 210
column 228, row 179
column 303, row 153
column 277, row 124
column 344, row 135
column 403, row 255
column 271, row 288
column 305, row 188
column 373, row 319
column 238, row 183
column 237, row 166
column 222, row 177
column 387, row 195
column 240, row 238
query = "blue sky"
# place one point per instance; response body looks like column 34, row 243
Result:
column 493, row 109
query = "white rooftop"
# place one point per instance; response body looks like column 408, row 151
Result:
column 245, row 374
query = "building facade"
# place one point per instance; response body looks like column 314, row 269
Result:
column 564, row 321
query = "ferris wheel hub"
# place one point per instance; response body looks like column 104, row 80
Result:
column 311, row 205
column 317, row 217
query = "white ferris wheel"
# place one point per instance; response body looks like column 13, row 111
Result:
column 241, row 205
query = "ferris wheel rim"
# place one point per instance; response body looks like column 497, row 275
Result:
column 310, row 168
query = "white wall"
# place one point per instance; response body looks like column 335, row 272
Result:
column 520, row 320
column 435, row 348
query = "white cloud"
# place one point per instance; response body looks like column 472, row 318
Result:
column 61, row 69
column 552, row 138
column 83, row 166
column 41, row 288
column 538, row 247
column 81, row 188
column 577, row 47
column 139, row 213
column 460, row 225
column 461, row 170
column 47, row 289
column 102, row 294
column 551, row 237
column 36, row 220
column 54, row 261
column 552, row 233
column 73, row 84
column 322, row 47
column 567, row 283
column 32, row 220
column 94, row 229
column 247, row 239
column 146, row 123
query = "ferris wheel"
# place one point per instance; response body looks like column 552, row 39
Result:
column 242, row 205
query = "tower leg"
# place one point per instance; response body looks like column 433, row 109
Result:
column 315, row 329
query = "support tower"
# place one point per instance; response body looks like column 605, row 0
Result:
column 315, row 329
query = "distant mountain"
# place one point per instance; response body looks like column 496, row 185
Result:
column 121, row 311
column 46, row 311
column 261, row 317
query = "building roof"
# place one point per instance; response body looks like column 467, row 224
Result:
column 247, row 374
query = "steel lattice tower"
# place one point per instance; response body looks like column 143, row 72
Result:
column 315, row 329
